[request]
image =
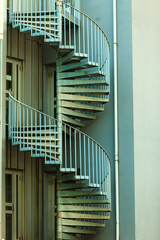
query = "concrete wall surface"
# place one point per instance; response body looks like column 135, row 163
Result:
column 146, row 86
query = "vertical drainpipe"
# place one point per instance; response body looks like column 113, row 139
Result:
column 116, row 116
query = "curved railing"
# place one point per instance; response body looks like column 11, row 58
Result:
column 38, row 132
column 60, row 22
column 86, row 37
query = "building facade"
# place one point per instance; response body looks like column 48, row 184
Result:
column 44, row 47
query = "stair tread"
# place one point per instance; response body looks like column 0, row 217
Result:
column 70, row 215
column 74, row 113
column 80, row 193
column 75, row 105
column 68, row 222
column 81, row 82
column 77, row 230
column 64, row 186
column 83, row 201
column 72, row 121
column 80, row 90
column 70, row 237
column 75, row 208
column 79, row 98
column 71, row 178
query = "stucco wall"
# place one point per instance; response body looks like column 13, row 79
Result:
column 146, row 82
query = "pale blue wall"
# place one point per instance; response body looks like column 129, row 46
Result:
column 102, row 128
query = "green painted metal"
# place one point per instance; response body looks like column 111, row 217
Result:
column 83, row 73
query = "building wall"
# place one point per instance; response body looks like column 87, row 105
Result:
column 102, row 128
column 146, row 87
column 29, row 50
column 21, row 46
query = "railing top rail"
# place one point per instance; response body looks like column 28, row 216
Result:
column 88, row 18
column 62, row 123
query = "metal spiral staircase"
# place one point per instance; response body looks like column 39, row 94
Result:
column 83, row 166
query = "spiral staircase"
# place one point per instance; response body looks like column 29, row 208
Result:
column 83, row 166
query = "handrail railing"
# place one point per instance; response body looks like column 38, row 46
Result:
column 38, row 132
column 61, row 22
column 86, row 37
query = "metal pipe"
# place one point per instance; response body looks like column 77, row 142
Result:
column 116, row 117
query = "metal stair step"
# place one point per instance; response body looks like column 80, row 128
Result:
column 68, row 222
column 79, row 98
column 72, row 121
column 78, row 65
column 65, row 186
column 81, row 82
column 72, row 178
column 74, row 208
column 80, row 115
column 80, row 193
column 77, row 230
column 80, row 74
column 74, row 105
column 70, row 215
column 82, row 201
column 70, row 237
column 80, row 90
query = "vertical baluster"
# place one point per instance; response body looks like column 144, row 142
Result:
column 45, row 137
column 31, row 13
column 75, row 146
column 102, row 171
column 96, row 165
column 40, row 133
column 89, row 160
column 45, row 12
column 50, row 18
column 31, row 133
column 101, row 53
column 92, row 41
column 35, row 135
column 9, row 118
column 70, row 26
column 27, row 127
column 20, row 124
column 84, row 139
column 79, row 34
column 64, row 24
column 93, row 161
column 17, row 123
column 88, row 38
column 106, row 174
column 65, row 139
column 35, row 15
column 95, row 39
column 75, row 31
column 104, row 177
column 80, row 156
column 24, row 130
column 98, row 58
column 55, row 130
column 27, row 13
column 14, row 120
column 23, row 13
column 99, row 165
column 17, row 13
column 51, row 139
column 84, row 51
column 40, row 10
column 70, row 147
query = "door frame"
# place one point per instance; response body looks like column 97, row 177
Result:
column 19, row 95
column 14, row 208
